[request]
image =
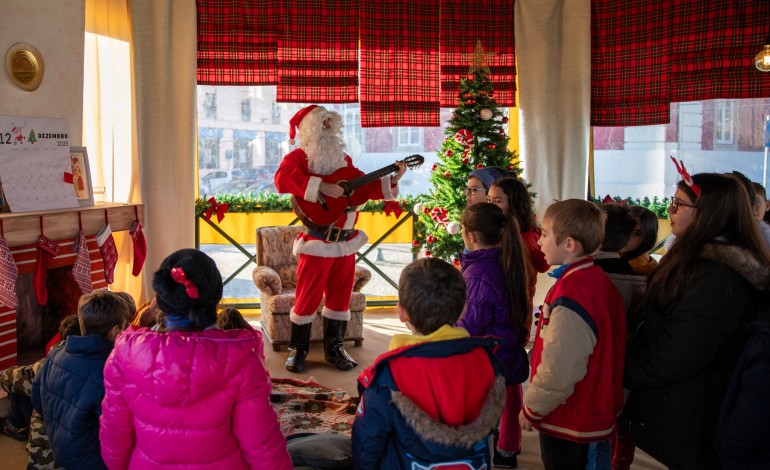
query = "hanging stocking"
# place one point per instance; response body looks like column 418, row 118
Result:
column 81, row 270
column 109, row 252
column 140, row 245
column 8, row 274
column 47, row 250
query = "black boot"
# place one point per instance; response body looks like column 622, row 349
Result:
column 299, row 346
column 334, row 334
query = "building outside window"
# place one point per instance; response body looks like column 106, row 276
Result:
column 409, row 136
column 273, row 148
column 724, row 123
column 246, row 110
column 210, row 106
column 276, row 114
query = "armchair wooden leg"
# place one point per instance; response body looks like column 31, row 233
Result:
column 358, row 343
column 276, row 347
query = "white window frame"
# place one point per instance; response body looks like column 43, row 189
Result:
column 410, row 137
column 724, row 122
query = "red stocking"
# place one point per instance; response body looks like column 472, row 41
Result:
column 81, row 270
column 140, row 247
column 8, row 274
column 109, row 252
column 47, row 250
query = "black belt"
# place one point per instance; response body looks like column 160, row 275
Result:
column 329, row 233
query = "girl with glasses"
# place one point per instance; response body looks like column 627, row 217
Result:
column 706, row 287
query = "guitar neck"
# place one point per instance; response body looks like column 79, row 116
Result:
column 356, row 183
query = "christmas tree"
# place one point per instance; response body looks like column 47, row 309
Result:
column 476, row 138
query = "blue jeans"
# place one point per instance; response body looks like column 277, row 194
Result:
column 599, row 456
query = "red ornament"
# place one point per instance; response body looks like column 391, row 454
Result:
column 505, row 120
column 448, row 174
column 426, row 210
column 470, row 76
column 471, row 101
column 479, row 166
column 415, row 243
column 491, row 93
column 434, row 167
column 430, row 239
column 510, row 167
column 466, row 161
column 428, row 253
column 456, row 262
column 449, row 153
column 492, row 146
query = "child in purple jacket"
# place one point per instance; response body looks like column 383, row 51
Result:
column 498, row 304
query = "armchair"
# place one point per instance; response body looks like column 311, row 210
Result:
column 276, row 278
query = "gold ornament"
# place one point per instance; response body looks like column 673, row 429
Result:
column 480, row 59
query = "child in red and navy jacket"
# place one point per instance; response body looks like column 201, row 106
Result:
column 436, row 396
column 575, row 392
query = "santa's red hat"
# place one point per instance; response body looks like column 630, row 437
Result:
column 296, row 119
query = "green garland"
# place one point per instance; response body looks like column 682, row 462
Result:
column 658, row 206
column 271, row 202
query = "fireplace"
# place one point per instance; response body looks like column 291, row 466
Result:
column 24, row 331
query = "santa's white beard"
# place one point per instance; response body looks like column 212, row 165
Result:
column 326, row 154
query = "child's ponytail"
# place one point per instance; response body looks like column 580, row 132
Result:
column 515, row 266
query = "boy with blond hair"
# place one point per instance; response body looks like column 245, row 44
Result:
column 575, row 390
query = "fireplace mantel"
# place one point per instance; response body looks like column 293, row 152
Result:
column 23, row 228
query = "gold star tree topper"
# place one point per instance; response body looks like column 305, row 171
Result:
column 480, row 59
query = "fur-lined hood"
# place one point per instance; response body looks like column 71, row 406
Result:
column 466, row 435
column 742, row 261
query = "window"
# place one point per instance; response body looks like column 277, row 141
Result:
column 243, row 157
column 210, row 105
column 724, row 122
column 246, row 110
column 208, row 152
column 409, row 136
column 273, row 149
column 352, row 131
column 276, row 113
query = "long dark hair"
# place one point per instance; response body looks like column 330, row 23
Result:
column 519, row 202
column 495, row 228
column 648, row 225
column 722, row 210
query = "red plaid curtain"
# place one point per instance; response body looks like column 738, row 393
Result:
column 463, row 23
column 649, row 53
column 630, row 83
column 237, row 42
column 399, row 63
column 318, row 52
column 713, row 45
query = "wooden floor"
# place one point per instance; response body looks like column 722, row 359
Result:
column 380, row 324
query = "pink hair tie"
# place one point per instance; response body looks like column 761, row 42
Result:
column 178, row 275
column 686, row 176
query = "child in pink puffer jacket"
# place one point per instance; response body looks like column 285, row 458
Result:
column 190, row 394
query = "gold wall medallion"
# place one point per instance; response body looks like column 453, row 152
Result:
column 25, row 66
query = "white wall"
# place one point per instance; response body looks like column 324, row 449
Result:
column 57, row 29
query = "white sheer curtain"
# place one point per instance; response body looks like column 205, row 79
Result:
column 139, row 122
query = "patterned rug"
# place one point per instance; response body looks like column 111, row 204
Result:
column 309, row 407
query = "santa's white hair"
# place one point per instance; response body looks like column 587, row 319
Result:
column 325, row 148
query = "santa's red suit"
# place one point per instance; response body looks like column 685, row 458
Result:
column 325, row 267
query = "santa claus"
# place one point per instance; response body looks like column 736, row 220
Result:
column 326, row 253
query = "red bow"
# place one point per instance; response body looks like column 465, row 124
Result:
column 178, row 275
column 220, row 209
column 608, row 199
column 395, row 207
column 686, row 176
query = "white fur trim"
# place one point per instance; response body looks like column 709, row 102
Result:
column 335, row 315
column 389, row 193
column 313, row 187
column 326, row 249
column 301, row 319
column 103, row 234
column 350, row 220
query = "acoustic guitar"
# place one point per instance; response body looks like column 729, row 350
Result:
column 329, row 209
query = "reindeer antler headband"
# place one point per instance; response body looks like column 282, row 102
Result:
column 686, row 176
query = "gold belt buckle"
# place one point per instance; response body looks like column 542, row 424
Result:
column 329, row 234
